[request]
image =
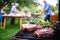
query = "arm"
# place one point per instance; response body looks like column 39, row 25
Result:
column 17, row 11
column 45, row 8
column 42, row 11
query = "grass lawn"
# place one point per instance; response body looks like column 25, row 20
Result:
column 10, row 31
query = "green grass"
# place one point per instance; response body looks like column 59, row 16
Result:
column 10, row 31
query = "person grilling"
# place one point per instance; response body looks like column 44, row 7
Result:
column 47, row 9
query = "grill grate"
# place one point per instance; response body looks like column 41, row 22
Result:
column 24, row 35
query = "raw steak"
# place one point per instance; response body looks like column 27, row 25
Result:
column 30, row 27
column 45, row 32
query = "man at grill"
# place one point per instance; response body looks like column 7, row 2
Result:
column 47, row 9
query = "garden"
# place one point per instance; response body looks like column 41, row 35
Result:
column 35, row 22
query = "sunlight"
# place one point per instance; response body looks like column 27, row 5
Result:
column 49, row 1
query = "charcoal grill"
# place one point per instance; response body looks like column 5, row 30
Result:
column 24, row 35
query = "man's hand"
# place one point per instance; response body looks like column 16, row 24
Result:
column 42, row 11
column 17, row 11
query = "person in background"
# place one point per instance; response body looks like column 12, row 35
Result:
column 1, row 17
column 47, row 9
column 14, row 10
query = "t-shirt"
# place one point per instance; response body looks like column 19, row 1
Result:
column 2, row 11
column 13, row 10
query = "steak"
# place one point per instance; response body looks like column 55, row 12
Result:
column 30, row 27
column 45, row 32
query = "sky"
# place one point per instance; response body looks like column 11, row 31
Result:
column 52, row 2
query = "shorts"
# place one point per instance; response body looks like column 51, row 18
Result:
column 1, row 17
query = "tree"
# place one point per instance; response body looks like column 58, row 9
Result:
column 53, row 8
column 21, row 2
column 5, row 2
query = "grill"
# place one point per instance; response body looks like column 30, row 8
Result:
column 24, row 35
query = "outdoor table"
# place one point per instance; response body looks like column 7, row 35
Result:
column 10, row 16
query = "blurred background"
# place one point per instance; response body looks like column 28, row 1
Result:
column 31, row 5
